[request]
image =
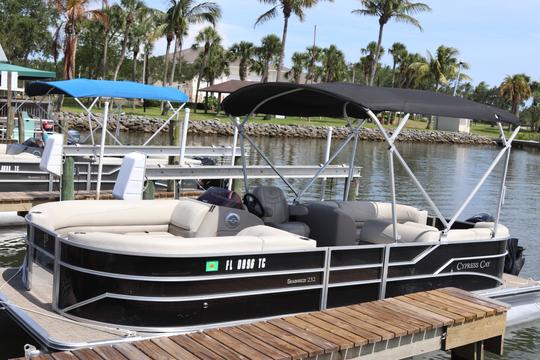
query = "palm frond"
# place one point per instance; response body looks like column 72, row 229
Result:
column 269, row 15
column 407, row 19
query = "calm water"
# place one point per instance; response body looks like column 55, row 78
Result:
column 448, row 172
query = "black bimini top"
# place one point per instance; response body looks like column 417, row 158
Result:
column 329, row 99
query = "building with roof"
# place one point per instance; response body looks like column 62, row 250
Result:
column 190, row 87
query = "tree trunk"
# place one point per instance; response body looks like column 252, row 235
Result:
column 393, row 73
column 166, row 68
column 242, row 69
column 144, row 78
column 134, row 69
column 122, row 55
column 105, row 54
column 201, row 70
column 375, row 61
column 175, row 54
column 282, row 52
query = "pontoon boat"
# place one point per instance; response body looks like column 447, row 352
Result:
column 180, row 265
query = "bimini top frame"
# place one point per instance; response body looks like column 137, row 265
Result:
column 343, row 100
column 106, row 89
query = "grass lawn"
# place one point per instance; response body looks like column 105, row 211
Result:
column 476, row 128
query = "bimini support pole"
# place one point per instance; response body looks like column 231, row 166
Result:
column 404, row 163
column 175, row 113
column 506, row 148
column 234, row 145
column 89, row 112
column 502, row 191
column 102, row 148
column 354, row 134
column 240, row 127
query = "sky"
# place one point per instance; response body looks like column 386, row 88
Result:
column 496, row 37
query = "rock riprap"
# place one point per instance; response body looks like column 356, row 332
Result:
column 205, row 127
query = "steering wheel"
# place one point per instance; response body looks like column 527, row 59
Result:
column 253, row 205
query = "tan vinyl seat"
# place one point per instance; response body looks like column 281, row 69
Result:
column 381, row 232
column 254, row 239
column 188, row 216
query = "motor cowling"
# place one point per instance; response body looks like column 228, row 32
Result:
column 515, row 259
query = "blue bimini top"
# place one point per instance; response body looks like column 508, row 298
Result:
column 86, row 88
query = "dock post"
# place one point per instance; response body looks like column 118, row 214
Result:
column 474, row 351
column 68, row 175
column 21, row 128
column 150, row 191
column 9, row 124
column 174, row 140
column 326, row 157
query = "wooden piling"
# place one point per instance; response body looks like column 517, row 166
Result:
column 9, row 124
column 21, row 128
column 150, row 191
column 68, row 179
column 174, row 140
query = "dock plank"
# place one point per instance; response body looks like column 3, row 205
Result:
column 342, row 342
column 195, row 348
column 457, row 319
column 87, row 354
column 130, row 351
column 397, row 331
column 420, row 310
column 370, row 337
column 260, row 345
column 445, row 305
column 381, row 333
column 339, row 329
column 292, row 338
column 218, row 347
column 109, row 353
column 400, row 316
column 64, row 356
column 293, row 351
column 173, row 348
column 237, row 345
column 487, row 310
column 321, row 342
column 434, row 323
column 500, row 307
column 152, row 350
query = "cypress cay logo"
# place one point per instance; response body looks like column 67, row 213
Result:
column 472, row 265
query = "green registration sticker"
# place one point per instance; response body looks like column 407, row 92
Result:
column 212, row 266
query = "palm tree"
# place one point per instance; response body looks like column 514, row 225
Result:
column 267, row 56
column 242, row 51
column 110, row 30
column 168, row 31
column 72, row 13
column 333, row 64
column 206, row 38
column 184, row 13
column 131, row 11
column 288, row 8
column 313, row 56
column 369, row 57
column 298, row 61
column 516, row 89
column 398, row 52
column 385, row 10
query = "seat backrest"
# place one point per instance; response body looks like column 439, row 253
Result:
column 187, row 217
column 382, row 232
column 273, row 200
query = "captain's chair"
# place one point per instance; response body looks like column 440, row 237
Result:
column 277, row 211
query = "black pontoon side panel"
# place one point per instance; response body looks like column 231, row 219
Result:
column 199, row 312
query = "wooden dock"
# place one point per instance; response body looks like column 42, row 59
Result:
column 394, row 328
column 23, row 201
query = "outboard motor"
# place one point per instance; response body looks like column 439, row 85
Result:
column 74, row 137
column 482, row 217
column 221, row 197
column 514, row 260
